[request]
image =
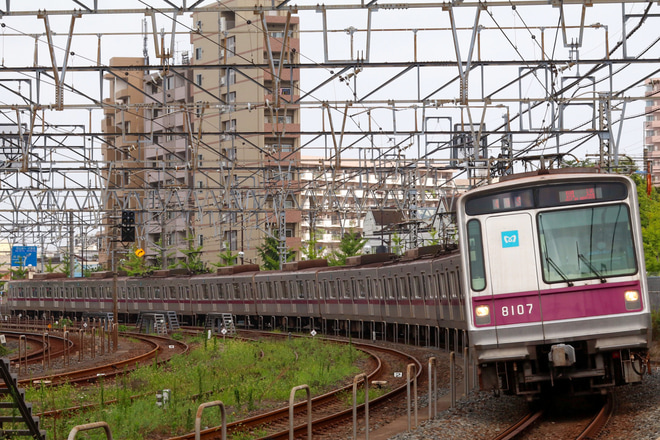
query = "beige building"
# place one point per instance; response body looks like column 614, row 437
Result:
column 125, row 174
column 652, row 130
column 249, row 153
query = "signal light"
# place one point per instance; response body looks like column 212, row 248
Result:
column 128, row 234
column 127, row 218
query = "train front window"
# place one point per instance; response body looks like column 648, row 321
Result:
column 476, row 255
column 586, row 243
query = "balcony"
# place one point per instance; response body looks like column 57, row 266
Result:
column 284, row 97
column 292, row 130
column 287, row 74
column 277, row 43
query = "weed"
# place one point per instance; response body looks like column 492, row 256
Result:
column 245, row 374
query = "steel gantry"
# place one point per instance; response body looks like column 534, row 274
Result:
column 389, row 104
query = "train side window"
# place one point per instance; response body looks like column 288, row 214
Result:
column 376, row 288
column 156, row 292
column 301, row 289
column 402, row 282
column 284, row 291
column 247, row 290
column 361, row 288
column 293, row 288
column 221, row 291
column 237, row 291
column 332, row 289
column 49, row 292
column 270, row 290
column 205, row 291
column 322, row 288
column 311, row 291
column 476, row 256
column 347, row 290
column 79, row 292
column 417, row 288
column 123, row 293
column 141, row 292
column 442, row 286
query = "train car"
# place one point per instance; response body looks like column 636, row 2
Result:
column 555, row 282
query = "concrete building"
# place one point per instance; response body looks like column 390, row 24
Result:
column 249, row 154
column 652, row 130
column 121, row 150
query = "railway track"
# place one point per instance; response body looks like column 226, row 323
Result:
column 328, row 410
column 161, row 348
column 533, row 421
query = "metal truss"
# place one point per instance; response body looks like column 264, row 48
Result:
column 400, row 88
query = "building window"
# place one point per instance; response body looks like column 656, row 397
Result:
column 650, row 133
column 284, row 119
column 198, row 53
column 200, row 240
column 231, row 46
column 231, row 98
column 168, row 239
column 230, row 240
column 198, row 79
column 200, row 159
column 289, row 230
column 230, row 125
column 231, row 76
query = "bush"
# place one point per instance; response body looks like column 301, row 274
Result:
column 655, row 320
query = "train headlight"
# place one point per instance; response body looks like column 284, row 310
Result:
column 632, row 300
column 482, row 315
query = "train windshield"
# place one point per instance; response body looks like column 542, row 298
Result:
column 584, row 243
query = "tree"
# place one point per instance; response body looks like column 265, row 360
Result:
column 397, row 246
column 310, row 250
column 193, row 262
column 134, row 265
column 649, row 213
column 21, row 272
column 227, row 258
column 270, row 253
column 351, row 244
column 160, row 263
column 434, row 237
column 50, row 268
column 66, row 260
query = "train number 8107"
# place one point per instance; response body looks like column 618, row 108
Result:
column 520, row 309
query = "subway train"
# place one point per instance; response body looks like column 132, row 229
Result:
column 546, row 285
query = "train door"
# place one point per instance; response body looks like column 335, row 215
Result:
column 513, row 280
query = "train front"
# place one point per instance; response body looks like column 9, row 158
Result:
column 556, row 284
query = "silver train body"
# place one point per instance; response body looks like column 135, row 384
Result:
column 541, row 303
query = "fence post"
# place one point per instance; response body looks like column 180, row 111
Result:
column 90, row 426
column 357, row 379
column 433, row 387
column 198, row 418
column 410, row 376
column 309, row 410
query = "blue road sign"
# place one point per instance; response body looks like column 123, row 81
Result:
column 26, row 254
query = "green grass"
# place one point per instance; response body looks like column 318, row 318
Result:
column 245, row 376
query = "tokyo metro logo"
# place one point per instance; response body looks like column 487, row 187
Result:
column 509, row 239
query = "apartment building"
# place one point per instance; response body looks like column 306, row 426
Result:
column 336, row 200
column 168, row 220
column 249, row 154
column 652, row 130
column 121, row 150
